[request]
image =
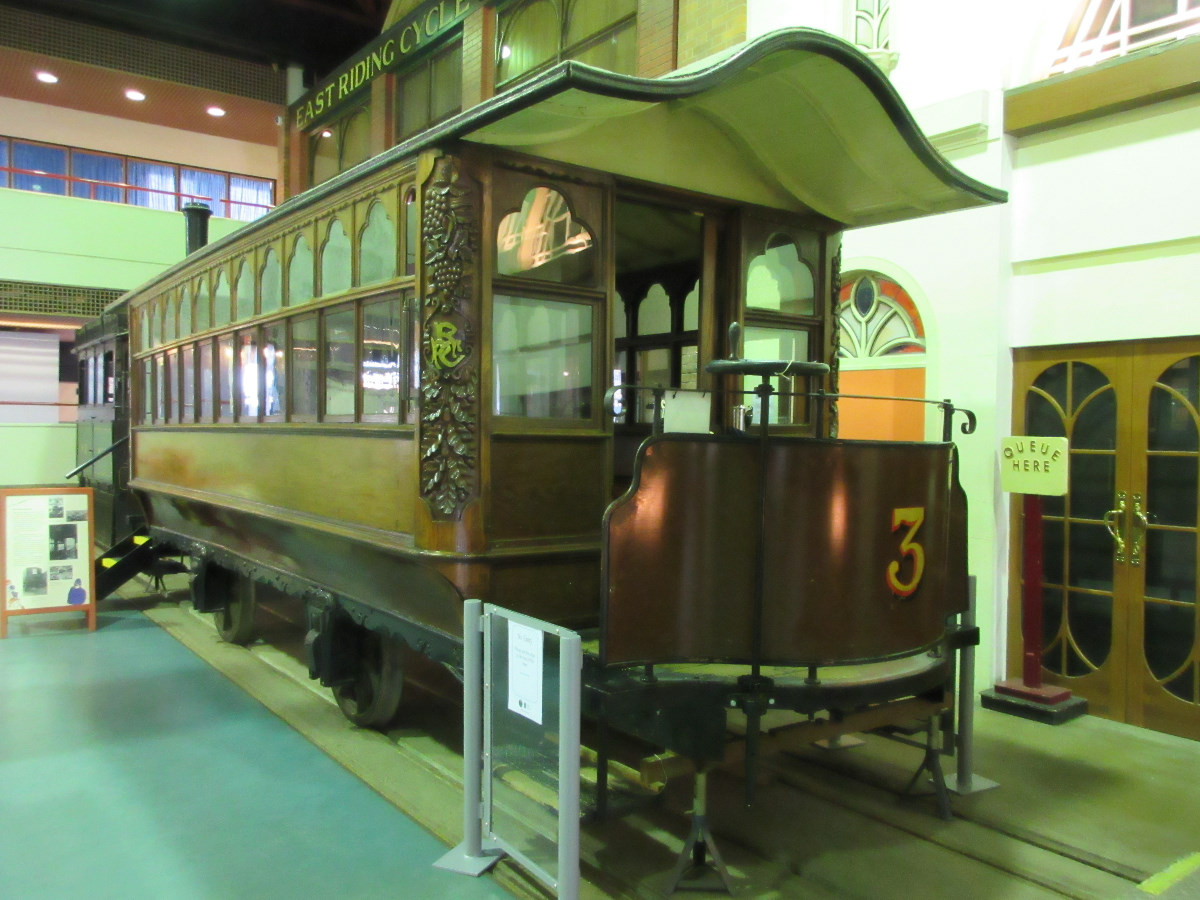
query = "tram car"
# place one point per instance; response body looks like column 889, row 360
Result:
column 458, row 370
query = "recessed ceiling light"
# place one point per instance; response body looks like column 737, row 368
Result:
column 47, row 78
column 216, row 111
column 135, row 95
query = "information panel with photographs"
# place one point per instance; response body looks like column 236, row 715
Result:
column 46, row 566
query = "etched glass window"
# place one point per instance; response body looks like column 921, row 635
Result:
column 222, row 301
column 542, row 240
column 300, row 273
column 780, row 281
column 335, row 260
column 245, row 292
column 377, row 247
column 272, row 283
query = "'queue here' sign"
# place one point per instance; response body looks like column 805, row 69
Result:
column 1034, row 465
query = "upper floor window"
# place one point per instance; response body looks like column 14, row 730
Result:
column 429, row 92
column 70, row 171
column 1102, row 29
column 337, row 146
column 538, row 33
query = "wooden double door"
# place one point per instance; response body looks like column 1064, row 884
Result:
column 1120, row 550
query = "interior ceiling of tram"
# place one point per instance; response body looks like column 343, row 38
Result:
column 652, row 237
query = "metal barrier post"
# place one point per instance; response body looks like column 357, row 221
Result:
column 469, row 857
column 963, row 781
column 570, row 673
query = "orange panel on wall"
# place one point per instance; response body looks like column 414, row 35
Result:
column 882, row 419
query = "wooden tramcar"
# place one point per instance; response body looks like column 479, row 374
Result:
column 387, row 395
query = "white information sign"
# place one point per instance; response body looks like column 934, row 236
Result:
column 45, row 552
column 1034, row 465
column 525, row 671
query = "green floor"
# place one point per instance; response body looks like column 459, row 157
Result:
column 129, row 768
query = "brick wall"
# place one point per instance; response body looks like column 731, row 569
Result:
column 478, row 70
column 656, row 37
column 707, row 26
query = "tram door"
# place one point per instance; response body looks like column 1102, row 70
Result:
column 1120, row 551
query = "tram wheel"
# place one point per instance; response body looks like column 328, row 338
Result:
column 372, row 699
column 235, row 620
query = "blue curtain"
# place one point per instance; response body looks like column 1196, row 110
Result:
column 152, row 185
column 209, row 188
column 3, row 162
column 250, row 197
column 96, row 167
column 43, row 163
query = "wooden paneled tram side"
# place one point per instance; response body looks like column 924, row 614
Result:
column 386, row 396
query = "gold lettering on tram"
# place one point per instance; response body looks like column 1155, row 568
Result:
column 912, row 517
column 445, row 347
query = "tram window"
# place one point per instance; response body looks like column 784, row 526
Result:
column 161, row 375
column 544, row 241
column 90, row 380
column 412, row 231
column 779, row 280
column 300, row 273
column 83, row 381
column 225, row 377
column 203, row 316
column 247, row 375
column 413, row 315
column 168, row 315
column 335, row 260
column 777, row 343
column 172, row 373
column 206, row 381
column 155, row 324
column 222, row 301
column 339, row 364
column 377, row 247
column 271, row 289
column 187, row 399
column 304, row 369
column 339, row 354
column 109, row 385
column 274, row 369
column 148, row 390
column 542, row 353
column 245, row 292
column 381, row 360
column 185, row 312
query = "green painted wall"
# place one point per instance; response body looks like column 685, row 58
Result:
column 66, row 240
column 36, row 454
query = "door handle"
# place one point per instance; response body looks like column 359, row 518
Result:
column 1141, row 524
column 1114, row 521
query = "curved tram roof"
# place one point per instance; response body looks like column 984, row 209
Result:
column 796, row 120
